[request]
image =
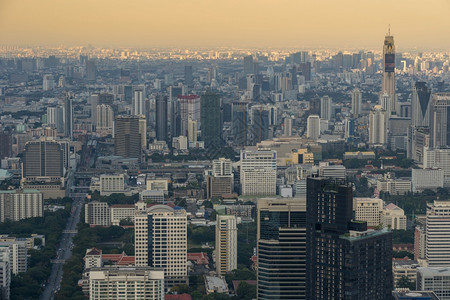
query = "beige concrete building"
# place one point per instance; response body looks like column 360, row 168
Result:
column 16, row 205
column 161, row 241
column 258, row 172
column 393, row 217
column 369, row 210
column 226, row 244
column 126, row 283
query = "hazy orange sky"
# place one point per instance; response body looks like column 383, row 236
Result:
column 246, row 23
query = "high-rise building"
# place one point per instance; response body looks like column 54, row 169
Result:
column 5, row 273
column 105, row 119
column 440, row 120
column 91, row 70
column 190, row 109
column 138, row 100
column 55, row 118
column 226, row 244
column 161, row 118
column 421, row 105
column 43, row 158
column 248, row 65
column 239, row 123
column 313, row 127
column 16, row 205
column 192, row 131
column 260, row 118
column 377, row 126
column 438, row 158
column 211, row 115
column 258, row 174
column 220, row 181
column 188, row 77
column 143, row 130
column 344, row 260
column 128, row 283
column 281, row 249
column 356, row 103
column 5, row 144
column 161, row 242
column 388, row 81
column 97, row 214
column 326, row 108
column 18, row 255
column 287, row 130
column 68, row 116
column 127, row 140
column 438, row 234
column 48, row 83
column 368, row 210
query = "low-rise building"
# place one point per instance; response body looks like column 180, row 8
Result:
column 434, row 279
column 110, row 184
column 119, row 212
column 394, row 186
column 129, row 282
column 393, row 217
column 404, row 268
column 215, row 284
column 152, row 196
column 423, row 179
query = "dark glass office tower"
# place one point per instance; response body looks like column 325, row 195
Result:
column 127, row 139
column 161, row 118
column 188, row 77
column 211, row 116
column 281, row 249
column 239, row 123
column 344, row 259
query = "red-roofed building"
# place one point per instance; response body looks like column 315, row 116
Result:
column 198, row 258
column 95, row 258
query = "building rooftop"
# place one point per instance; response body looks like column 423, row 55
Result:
column 434, row 271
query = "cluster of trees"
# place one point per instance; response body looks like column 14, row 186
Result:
column 39, row 266
column 412, row 204
column 86, row 238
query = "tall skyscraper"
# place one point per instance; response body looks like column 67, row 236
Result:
column 239, row 123
column 143, row 130
column 388, row 82
column 437, row 245
column 356, row 103
column 326, row 108
column 281, row 249
column 344, row 260
column 211, row 115
column 440, row 120
column 188, row 77
column 127, row 140
column 105, row 119
column 161, row 118
column 91, row 70
column 220, row 181
column 421, row 105
column 68, row 116
column 94, row 100
column 138, row 100
column 226, row 244
column 313, row 127
column 248, row 65
column 377, row 126
column 258, row 172
column 190, row 108
column 287, row 130
column 192, row 131
column 5, row 144
column 260, row 124
column 43, row 158
column 161, row 241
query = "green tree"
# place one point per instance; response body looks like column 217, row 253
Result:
column 404, row 282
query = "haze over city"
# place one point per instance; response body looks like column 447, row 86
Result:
column 350, row 24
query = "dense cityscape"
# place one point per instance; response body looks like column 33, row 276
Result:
column 226, row 173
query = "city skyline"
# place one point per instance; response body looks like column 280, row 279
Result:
column 199, row 23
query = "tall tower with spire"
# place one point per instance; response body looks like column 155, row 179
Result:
column 388, row 84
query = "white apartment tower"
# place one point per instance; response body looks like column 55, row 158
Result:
column 5, row 273
column 258, row 172
column 161, row 242
column 313, row 127
column 226, row 244
column 105, row 119
column 438, row 234
column 377, row 126
column 326, row 108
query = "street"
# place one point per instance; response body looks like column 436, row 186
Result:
column 65, row 248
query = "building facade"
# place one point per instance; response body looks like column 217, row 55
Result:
column 258, row 173
column 226, row 244
column 16, row 205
